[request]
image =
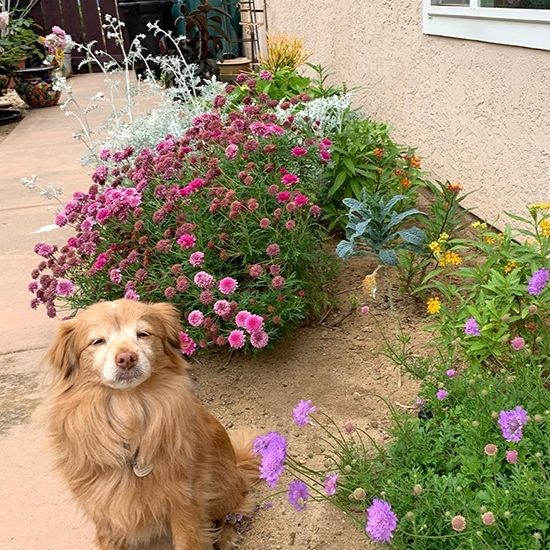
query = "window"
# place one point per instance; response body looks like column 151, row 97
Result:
column 515, row 22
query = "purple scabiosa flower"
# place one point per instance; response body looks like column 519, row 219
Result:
column 65, row 288
column 490, row 449
column 330, row 484
column 302, row 411
column 471, row 328
column 512, row 422
column 517, row 343
column 298, row 493
column 44, row 250
column 272, row 449
column 381, row 521
column 364, row 310
column 451, row 373
column 227, row 285
column 538, row 281
column 441, row 394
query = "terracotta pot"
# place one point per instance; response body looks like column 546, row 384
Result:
column 35, row 86
column 230, row 68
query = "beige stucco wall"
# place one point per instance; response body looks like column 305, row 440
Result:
column 479, row 113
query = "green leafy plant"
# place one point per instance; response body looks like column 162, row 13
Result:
column 443, row 225
column 376, row 228
column 500, row 293
column 365, row 157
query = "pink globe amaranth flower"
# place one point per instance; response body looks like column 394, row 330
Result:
column 236, row 339
column 206, row 297
column 315, row 210
column 290, row 179
column 451, row 373
column 131, row 294
column 324, row 155
column 65, row 288
column 364, row 310
column 169, row 292
column 187, row 344
column 512, row 457
column 254, row 323
column 517, row 343
column 265, row 75
column 273, row 250
column 196, row 259
column 231, row 151
column 278, row 282
column 458, row 523
column 265, row 223
column 187, row 240
column 298, row 151
column 227, row 285
column 381, row 521
column 203, row 280
column 283, row 196
column 442, row 394
column 241, row 318
column 330, row 484
column 490, row 449
column 259, row 339
column 255, row 270
column 195, row 318
column 290, row 225
column 222, row 308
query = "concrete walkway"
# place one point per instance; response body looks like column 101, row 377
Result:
column 36, row 511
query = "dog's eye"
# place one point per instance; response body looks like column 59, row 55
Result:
column 142, row 334
column 98, row 342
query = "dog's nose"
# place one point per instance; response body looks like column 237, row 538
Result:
column 126, row 359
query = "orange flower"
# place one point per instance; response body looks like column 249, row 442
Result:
column 454, row 187
column 405, row 182
column 378, row 153
column 415, row 161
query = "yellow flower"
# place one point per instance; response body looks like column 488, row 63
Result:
column 511, row 265
column 443, row 238
column 450, row 258
column 433, row 305
column 479, row 225
column 540, row 206
column 435, row 247
column 545, row 228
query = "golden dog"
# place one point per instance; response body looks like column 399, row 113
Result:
column 142, row 456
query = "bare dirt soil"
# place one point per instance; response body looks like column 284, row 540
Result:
column 337, row 365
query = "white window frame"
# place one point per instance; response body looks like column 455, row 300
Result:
column 514, row 27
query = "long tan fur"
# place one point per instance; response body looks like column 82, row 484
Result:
column 100, row 433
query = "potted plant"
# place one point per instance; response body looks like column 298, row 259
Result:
column 18, row 41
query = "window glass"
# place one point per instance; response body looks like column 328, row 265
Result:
column 450, row 2
column 518, row 4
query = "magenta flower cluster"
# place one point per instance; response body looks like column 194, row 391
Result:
column 213, row 221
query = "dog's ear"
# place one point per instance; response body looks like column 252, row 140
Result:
column 62, row 355
column 169, row 318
